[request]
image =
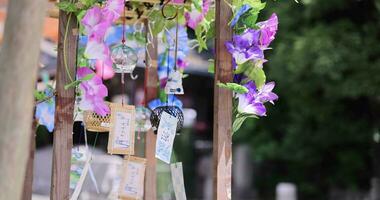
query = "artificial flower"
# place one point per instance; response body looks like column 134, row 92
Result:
column 243, row 9
column 93, row 92
column 94, row 23
column 265, row 93
column 253, row 101
column 195, row 16
column 268, row 30
column 113, row 9
column 45, row 112
column 244, row 47
column 97, row 50
column 104, row 69
column 172, row 101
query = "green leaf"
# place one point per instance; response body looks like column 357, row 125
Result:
column 211, row 66
column 256, row 74
column 243, row 67
column 249, row 19
column 238, row 121
column 234, row 87
column 67, row 6
column 72, row 84
column 87, row 77
column 39, row 95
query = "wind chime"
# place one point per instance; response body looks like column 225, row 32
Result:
column 173, row 85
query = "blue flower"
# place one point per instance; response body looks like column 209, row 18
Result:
column 172, row 101
column 243, row 9
column 45, row 112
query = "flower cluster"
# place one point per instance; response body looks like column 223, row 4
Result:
column 96, row 22
column 93, row 92
column 247, row 49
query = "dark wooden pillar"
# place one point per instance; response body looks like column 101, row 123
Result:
column 63, row 138
column 222, row 144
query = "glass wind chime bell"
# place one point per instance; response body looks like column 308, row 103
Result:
column 124, row 59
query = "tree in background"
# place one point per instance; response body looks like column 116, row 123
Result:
column 326, row 65
column 18, row 71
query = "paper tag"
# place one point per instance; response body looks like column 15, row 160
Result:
column 122, row 131
column 104, row 124
column 174, row 84
column 165, row 137
column 132, row 182
column 177, row 180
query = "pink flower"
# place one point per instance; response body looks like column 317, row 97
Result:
column 95, row 25
column 113, row 9
column 93, row 92
column 268, row 30
column 195, row 17
column 97, row 50
column 104, row 69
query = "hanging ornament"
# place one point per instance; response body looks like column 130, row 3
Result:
column 124, row 59
column 174, row 83
column 142, row 119
column 174, row 111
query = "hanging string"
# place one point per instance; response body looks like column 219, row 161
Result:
column 123, row 42
column 176, row 43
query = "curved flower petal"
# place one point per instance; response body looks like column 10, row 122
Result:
column 243, row 9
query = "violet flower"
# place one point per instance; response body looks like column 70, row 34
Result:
column 93, row 92
column 244, row 47
column 253, row 101
column 268, row 30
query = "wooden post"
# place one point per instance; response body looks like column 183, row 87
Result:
column 63, row 138
column 28, row 182
column 150, row 84
column 20, row 49
column 222, row 143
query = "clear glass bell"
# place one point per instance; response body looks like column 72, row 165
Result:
column 124, row 59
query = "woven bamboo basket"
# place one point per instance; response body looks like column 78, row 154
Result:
column 97, row 123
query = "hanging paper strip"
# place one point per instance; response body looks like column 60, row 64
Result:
column 122, row 132
column 165, row 137
column 132, row 181
column 177, row 180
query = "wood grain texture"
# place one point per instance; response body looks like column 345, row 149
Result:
column 222, row 143
column 63, row 139
column 28, row 182
column 19, row 53
column 150, row 84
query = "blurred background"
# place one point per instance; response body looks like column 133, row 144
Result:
column 321, row 140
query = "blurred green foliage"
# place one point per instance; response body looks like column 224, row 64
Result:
column 326, row 64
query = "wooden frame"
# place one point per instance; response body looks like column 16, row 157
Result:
column 116, row 115
column 126, row 175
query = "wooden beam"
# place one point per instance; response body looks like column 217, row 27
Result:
column 63, row 138
column 222, row 143
column 28, row 182
column 150, row 84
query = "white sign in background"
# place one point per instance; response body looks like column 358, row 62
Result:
column 165, row 137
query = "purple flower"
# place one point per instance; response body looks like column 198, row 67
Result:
column 253, row 101
column 265, row 94
column 243, row 9
column 244, row 47
column 93, row 92
column 268, row 30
